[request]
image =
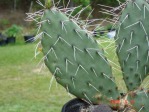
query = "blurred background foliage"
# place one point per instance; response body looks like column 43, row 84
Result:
column 10, row 7
column 25, row 4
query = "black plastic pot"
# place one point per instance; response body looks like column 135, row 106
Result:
column 3, row 40
column 102, row 32
column 99, row 33
column 29, row 38
column 109, row 29
column 75, row 105
column 11, row 40
column 78, row 105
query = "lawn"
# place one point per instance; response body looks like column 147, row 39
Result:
column 23, row 87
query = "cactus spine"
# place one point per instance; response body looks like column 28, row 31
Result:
column 79, row 64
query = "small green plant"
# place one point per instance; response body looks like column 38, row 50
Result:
column 13, row 31
column 80, row 65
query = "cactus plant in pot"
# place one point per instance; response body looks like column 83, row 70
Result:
column 11, row 33
column 80, row 65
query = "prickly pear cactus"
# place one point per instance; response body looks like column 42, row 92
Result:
column 75, row 59
column 78, row 63
column 133, row 43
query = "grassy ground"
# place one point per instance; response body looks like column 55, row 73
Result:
column 22, row 87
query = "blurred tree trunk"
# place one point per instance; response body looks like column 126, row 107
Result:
column 25, row 4
column 31, row 6
column 15, row 5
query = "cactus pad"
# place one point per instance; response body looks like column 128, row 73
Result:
column 140, row 100
column 75, row 59
column 132, row 41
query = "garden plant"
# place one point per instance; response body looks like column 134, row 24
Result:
column 12, row 32
column 79, row 64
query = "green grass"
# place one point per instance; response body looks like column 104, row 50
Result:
column 23, row 88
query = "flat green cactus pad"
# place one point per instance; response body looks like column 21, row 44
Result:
column 132, row 41
column 75, row 59
column 140, row 100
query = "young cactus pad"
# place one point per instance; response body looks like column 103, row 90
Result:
column 75, row 59
column 140, row 100
column 133, row 43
